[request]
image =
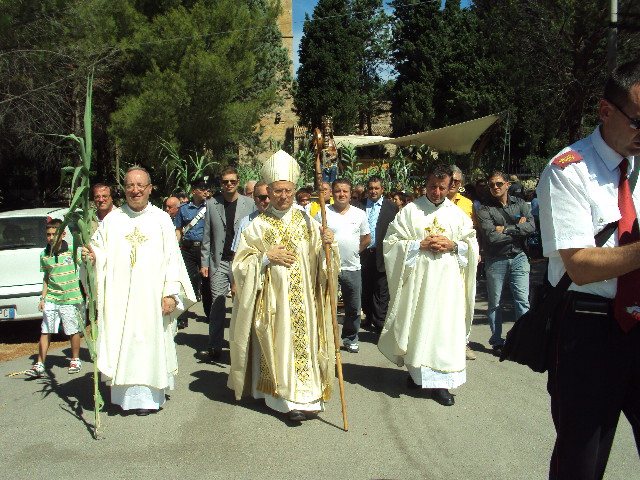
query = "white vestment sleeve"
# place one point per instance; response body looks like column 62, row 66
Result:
column 463, row 253
column 412, row 253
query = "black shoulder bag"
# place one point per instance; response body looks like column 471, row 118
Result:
column 528, row 340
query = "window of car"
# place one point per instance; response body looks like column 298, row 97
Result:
column 23, row 232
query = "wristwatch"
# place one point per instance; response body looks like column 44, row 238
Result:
column 454, row 250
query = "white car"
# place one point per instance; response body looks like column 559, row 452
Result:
column 22, row 239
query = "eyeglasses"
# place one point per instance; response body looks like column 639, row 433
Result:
column 230, row 182
column 280, row 191
column 496, row 184
column 129, row 187
column 262, row 198
column 635, row 122
column 457, row 180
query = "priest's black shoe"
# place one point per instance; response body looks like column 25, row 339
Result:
column 209, row 354
column 442, row 396
column 143, row 412
column 297, row 416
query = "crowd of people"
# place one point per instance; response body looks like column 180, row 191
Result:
column 266, row 249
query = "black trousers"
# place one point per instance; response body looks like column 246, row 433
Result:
column 192, row 260
column 594, row 375
column 375, row 289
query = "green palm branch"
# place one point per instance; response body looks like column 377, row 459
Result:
column 82, row 215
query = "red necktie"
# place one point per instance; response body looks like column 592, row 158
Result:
column 626, row 309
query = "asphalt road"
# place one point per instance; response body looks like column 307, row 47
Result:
column 499, row 428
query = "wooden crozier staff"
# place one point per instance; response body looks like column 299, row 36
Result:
column 318, row 144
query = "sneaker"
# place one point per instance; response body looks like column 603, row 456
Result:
column 36, row 371
column 75, row 365
column 352, row 348
column 470, row 354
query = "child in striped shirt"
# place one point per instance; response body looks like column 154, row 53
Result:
column 61, row 299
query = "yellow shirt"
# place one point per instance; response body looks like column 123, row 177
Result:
column 464, row 203
column 315, row 207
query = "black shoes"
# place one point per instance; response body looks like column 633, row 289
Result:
column 209, row 354
column 297, row 416
column 183, row 323
column 442, row 396
column 497, row 349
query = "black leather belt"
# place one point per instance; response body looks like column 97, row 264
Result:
column 588, row 303
column 190, row 243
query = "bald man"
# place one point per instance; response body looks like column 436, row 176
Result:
column 171, row 206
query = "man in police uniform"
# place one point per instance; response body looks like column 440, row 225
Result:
column 594, row 371
column 189, row 223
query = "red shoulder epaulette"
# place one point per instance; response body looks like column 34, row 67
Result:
column 567, row 158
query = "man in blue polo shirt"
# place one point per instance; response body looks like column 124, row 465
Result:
column 189, row 223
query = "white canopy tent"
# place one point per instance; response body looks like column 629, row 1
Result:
column 458, row 138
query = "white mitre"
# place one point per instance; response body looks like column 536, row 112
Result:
column 280, row 167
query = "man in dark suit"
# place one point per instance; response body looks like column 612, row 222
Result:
column 375, row 290
column 223, row 213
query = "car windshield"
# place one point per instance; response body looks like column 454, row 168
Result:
column 23, row 232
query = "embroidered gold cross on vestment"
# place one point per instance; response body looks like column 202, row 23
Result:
column 135, row 238
column 435, row 228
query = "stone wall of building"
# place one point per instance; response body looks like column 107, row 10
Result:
column 279, row 124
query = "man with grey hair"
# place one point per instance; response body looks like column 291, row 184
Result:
column 281, row 334
column 249, row 188
column 142, row 285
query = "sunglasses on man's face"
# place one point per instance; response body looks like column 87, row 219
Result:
column 231, row 182
column 633, row 122
column 496, row 184
column 262, row 198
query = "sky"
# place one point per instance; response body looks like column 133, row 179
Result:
column 300, row 7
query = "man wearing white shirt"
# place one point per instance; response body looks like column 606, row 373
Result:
column 594, row 363
column 351, row 231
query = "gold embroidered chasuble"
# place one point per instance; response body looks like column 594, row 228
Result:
column 137, row 263
column 288, row 308
column 432, row 300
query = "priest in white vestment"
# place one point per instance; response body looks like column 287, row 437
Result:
column 431, row 255
column 281, row 334
column 142, row 285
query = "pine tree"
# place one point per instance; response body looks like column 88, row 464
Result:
column 342, row 52
column 417, row 49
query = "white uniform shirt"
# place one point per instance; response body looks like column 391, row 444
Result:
column 347, row 230
column 578, row 201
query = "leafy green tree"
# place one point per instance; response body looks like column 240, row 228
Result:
column 328, row 76
column 551, row 57
column 342, row 53
column 200, row 77
column 416, row 54
column 198, row 73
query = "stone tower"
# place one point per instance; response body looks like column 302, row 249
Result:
column 279, row 124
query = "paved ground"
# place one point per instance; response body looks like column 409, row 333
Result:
column 500, row 427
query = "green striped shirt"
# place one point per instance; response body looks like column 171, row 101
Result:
column 63, row 286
